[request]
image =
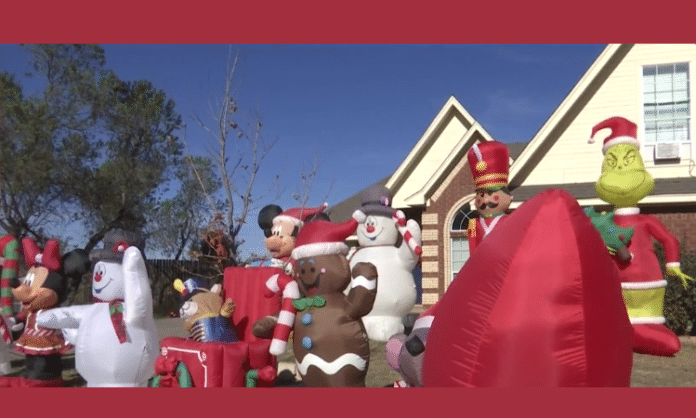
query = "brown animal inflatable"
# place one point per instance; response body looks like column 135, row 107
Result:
column 330, row 343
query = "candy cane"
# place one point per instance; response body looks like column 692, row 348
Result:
column 400, row 220
column 286, row 317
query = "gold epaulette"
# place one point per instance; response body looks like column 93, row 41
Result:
column 471, row 230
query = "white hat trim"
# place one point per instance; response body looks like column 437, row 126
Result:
column 619, row 140
column 319, row 248
column 648, row 320
column 644, row 285
column 287, row 218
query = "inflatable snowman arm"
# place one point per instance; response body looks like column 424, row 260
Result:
column 137, row 304
column 63, row 318
column 363, row 290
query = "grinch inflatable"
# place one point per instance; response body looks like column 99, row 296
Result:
column 623, row 183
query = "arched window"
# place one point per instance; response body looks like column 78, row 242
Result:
column 459, row 242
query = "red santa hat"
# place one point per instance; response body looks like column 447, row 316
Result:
column 623, row 131
column 322, row 237
column 299, row 215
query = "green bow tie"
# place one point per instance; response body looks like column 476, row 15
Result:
column 303, row 303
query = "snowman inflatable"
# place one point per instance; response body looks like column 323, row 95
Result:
column 115, row 338
column 392, row 244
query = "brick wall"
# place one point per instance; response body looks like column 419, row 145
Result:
column 681, row 221
column 681, row 224
column 435, row 226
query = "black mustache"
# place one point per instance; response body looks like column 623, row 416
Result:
column 490, row 205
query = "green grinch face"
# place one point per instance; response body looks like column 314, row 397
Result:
column 624, row 180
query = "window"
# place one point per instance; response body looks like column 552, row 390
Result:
column 666, row 106
column 459, row 242
column 460, row 253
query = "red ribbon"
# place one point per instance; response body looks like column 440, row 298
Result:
column 34, row 257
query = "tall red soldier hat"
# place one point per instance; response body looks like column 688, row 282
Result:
column 322, row 237
column 299, row 215
column 623, row 131
column 490, row 164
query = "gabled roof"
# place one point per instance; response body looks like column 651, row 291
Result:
column 442, row 145
column 567, row 111
column 344, row 210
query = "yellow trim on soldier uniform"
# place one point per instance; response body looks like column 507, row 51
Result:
column 471, row 229
column 492, row 176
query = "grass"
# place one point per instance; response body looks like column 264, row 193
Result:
column 379, row 374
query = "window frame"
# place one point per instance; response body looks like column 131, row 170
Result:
column 645, row 144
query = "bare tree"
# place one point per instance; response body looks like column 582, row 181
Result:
column 239, row 153
column 308, row 175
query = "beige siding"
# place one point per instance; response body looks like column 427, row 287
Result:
column 432, row 159
column 572, row 160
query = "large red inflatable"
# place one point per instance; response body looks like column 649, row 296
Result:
column 538, row 305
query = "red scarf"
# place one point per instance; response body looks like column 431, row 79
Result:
column 116, row 314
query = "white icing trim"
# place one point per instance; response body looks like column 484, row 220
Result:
column 286, row 318
column 319, row 248
column 648, row 320
column 674, row 264
column 644, row 285
column 619, row 140
column 369, row 284
column 424, row 322
column 627, row 211
column 287, row 218
column 347, row 359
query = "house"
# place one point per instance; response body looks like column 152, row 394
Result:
column 648, row 84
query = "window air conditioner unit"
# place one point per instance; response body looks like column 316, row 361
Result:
column 667, row 151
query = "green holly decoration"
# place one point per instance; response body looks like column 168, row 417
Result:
column 613, row 235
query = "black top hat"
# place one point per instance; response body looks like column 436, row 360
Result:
column 116, row 242
column 376, row 200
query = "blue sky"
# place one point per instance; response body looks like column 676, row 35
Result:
column 360, row 108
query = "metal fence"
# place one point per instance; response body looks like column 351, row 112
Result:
column 162, row 273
